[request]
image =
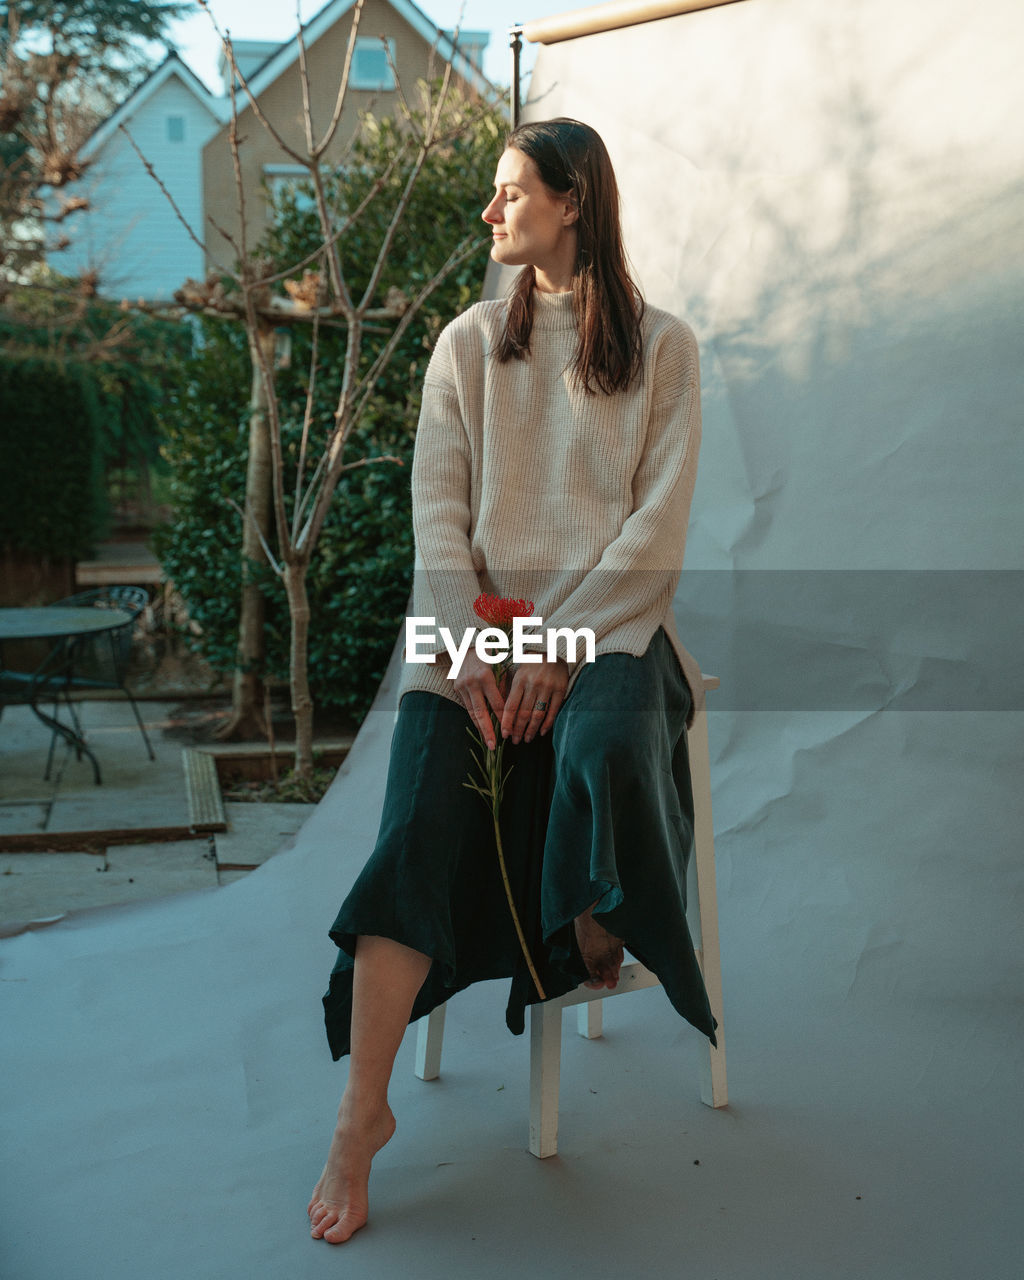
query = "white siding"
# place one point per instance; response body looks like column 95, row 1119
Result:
column 131, row 235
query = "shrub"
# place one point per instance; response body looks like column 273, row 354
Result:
column 120, row 358
column 51, row 481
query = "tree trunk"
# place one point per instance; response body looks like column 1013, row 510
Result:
column 246, row 719
column 302, row 702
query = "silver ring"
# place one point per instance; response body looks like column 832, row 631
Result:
column 540, row 706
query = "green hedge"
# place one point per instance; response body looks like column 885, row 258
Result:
column 52, row 500
column 122, row 357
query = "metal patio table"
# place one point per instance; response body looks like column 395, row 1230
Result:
column 63, row 625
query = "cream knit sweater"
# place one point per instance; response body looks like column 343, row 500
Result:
column 524, row 485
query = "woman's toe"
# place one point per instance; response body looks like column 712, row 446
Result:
column 344, row 1228
column 323, row 1222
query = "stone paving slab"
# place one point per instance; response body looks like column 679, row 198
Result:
column 21, row 772
column 257, row 831
column 115, row 741
column 177, row 864
column 36, row 886
column 30, row 790
column 24, row 743
column 136, row 792
column 16, row 819
column 40, row 886
column 229, row 877
column 148, row 804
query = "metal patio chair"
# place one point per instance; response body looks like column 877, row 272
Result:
column 100, row 661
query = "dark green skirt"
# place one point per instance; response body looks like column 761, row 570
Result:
column 599, row 810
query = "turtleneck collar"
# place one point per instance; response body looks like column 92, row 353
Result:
column 553, row 311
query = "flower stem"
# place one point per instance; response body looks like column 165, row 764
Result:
column 512, row 907
column 493, row 775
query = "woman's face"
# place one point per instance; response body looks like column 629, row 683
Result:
column 531, row 226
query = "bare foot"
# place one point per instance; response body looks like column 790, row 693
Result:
column 601, row 951
column 340, row 1202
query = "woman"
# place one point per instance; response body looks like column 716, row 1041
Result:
column 555, row 459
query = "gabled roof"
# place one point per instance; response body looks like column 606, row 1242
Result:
column 253, row 52
column 288, row 54
column 171, row 67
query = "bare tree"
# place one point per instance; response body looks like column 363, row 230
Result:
column 63, row 64
column 316, row 292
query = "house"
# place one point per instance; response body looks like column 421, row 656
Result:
column 415, row 48
column 131, row 235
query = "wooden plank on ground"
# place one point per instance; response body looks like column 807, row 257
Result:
column 205, row 805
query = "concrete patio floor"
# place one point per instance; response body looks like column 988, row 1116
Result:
column 137, row 794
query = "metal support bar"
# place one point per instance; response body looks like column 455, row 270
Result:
column 515, row 40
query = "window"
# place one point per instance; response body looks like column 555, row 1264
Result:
column 175, row 128
column 370, row 66
column 290, row 179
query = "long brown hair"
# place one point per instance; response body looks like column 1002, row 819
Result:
column 572, row 159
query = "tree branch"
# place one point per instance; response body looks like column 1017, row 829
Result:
column 253, row 103
column 378, row 185
column 307, row 104
column 367, row 462
column 346, row 71
column 331, row 250
column 307, row 419
column 273, row 425
column 347, row 417
column 222, row 231
column 425, row 148
column 460, row 254
column 272, row 560
column 406, row 109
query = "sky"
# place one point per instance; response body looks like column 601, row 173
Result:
column 197, row 42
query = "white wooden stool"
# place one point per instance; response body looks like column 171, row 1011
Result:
column 546, row 1018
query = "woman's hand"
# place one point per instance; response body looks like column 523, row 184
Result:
column 538, row 690
column 476, row 686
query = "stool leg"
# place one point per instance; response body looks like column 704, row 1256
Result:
column 429, row 1040
column 545, row 1070
column 713, row 1089
column 589, row 1019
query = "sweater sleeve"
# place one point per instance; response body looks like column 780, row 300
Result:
column 441, row 508
column 640, row 568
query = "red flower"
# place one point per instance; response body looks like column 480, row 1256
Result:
column 498, row 611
